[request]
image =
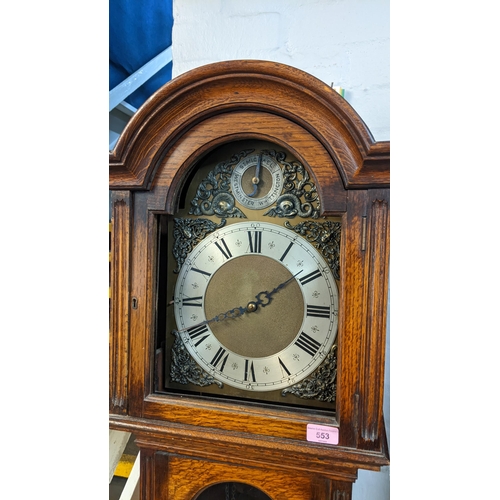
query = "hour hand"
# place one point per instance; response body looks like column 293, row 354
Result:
column 232, row 313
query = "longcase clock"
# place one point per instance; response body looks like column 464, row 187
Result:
column 250, row 244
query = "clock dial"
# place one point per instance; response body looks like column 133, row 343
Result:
column 256, row 306
column 257, row 181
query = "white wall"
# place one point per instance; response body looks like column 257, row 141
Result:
column 344, row 42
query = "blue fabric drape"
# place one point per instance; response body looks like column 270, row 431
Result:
column 138, row 31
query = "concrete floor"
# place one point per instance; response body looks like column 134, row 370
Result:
column 116, row 487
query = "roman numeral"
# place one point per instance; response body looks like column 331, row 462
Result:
column 318, row 311
column 310, row 277
column 197, row 331
column 252, row 372
column 225, row 251
column 307, row 344
column 218, row 357
column 200, row 271
column 286, row 251
column 255, row 240
column 284, row 367
column 192, row 301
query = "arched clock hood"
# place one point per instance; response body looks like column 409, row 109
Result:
column 228, row 87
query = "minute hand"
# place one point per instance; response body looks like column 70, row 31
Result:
column 264, row 298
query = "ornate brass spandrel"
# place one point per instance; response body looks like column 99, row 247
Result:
column 299, row 197
column 325, row 236
column 213, row 196
column 188, row 233
column 322, row 384
column 184, row 370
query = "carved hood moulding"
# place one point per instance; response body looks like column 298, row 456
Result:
column 224, row 88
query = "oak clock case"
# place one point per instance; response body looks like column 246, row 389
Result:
column 248, row 280
column 243, row 320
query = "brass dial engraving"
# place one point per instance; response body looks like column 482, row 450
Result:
column 269, row 329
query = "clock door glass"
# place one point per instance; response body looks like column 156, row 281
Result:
column 248, row 282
